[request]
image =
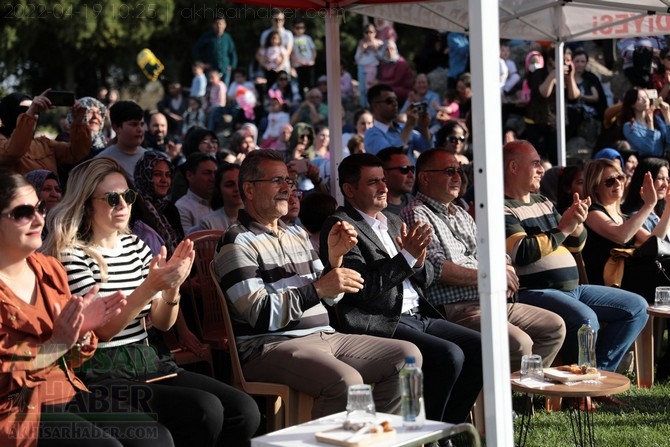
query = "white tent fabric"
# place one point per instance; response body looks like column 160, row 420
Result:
column 556, row 21
column 548, row 20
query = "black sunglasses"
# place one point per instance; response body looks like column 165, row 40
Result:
column 25, row 213
column 447, row 171
column 456, row 139
column 114, row 198
column 610, row 181
column 403, row 169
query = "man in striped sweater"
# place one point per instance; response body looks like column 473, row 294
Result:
column 279, row 293
column 541, row 242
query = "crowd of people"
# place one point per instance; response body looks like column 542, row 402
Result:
column 94, row 225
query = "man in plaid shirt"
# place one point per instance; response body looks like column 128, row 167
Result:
column 453, row 254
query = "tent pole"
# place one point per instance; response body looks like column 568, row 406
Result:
column 560, row 105
column 488, row 174
column 334, row 97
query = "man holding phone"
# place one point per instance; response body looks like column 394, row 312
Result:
column 21, row 151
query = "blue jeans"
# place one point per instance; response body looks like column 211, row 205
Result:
column 624, row 312
column 362, row 91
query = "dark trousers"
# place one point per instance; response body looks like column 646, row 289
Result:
column 305, row 79
column 96, row 419
column 197, row 409
column 452, row 365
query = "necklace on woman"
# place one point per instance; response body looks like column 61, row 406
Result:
column 9, row 278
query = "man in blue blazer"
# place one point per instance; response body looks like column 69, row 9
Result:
column 391, row 304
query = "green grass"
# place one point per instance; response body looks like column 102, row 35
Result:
column 646, row 423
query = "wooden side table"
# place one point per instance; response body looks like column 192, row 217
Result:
column 644, row 348
column 581, row 421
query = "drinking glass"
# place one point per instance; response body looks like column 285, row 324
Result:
column 531, row 368
column 360, row 406
column 662, row 297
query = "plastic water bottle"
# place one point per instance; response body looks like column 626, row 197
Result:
column 586, row 337
column 411, row 390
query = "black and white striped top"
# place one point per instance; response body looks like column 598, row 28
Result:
column 127, row 267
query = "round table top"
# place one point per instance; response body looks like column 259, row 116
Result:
column 661, row 312
column 609, row 383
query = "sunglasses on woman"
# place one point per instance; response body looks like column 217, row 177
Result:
column 456, row 139
column 25, row 213
column 114, row 198
column 610, row 181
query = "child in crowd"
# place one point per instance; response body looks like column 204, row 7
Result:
column 449, row 111
column 271, row 56
column 240, row 79
column 199, row 83
column 277, row 119
column 303, row 57
column 367, row 59
column 194, row 116
column 217, row 100
column 355, row 145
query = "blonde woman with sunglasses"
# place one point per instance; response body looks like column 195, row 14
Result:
column 609, row 227
column 89, row 234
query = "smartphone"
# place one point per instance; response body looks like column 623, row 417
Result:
column 61, row 98
column 652, row 94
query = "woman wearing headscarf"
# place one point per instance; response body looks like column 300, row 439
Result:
column 21, row 152
column 153, row 179
column 94, row 118
column 395, row 71
column 96, row 114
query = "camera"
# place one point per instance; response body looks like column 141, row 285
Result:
column 569, row 68
column 420, row 107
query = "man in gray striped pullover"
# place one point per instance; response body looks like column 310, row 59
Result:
column 279, row 295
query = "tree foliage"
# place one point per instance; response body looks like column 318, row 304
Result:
column 81, row 44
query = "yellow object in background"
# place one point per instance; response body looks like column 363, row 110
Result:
column 149, row 64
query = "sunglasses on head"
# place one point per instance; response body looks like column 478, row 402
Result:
column 456, row 139
column 25, row 213
column 609, row 182
column 114, row 198
column 403, row 169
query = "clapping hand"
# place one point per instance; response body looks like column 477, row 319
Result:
column 98, row 311
column 169, row 274
column 341, row 238
column 416, row 240
column 647, row 190
column 575, row 215
column 68, row 323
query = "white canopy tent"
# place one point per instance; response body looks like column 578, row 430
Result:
column 557, row 21
column 546, row 20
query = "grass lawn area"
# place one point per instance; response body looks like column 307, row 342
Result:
column 646, row 423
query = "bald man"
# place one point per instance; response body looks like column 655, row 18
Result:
column 540, row 243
